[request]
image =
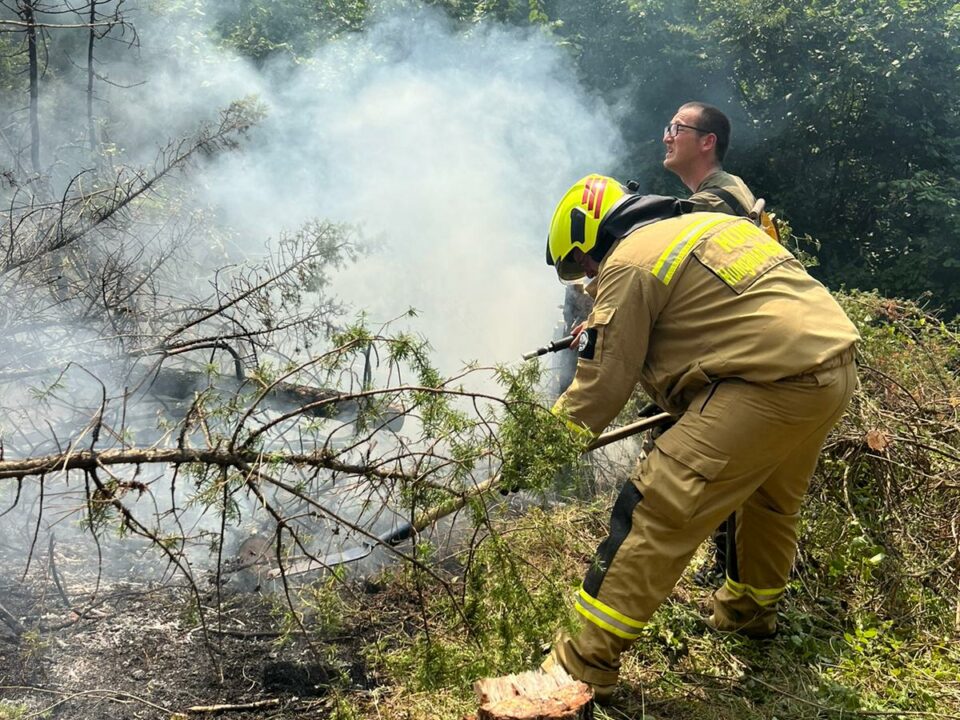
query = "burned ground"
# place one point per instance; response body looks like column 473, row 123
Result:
column 138, row 650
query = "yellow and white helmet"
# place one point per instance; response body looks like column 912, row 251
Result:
column 577, row 220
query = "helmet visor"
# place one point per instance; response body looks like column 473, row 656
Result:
column 569, row 270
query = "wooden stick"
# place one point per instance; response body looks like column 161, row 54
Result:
column 10, row 621
column 237, row 707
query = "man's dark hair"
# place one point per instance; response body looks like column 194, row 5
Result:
column 712, row 120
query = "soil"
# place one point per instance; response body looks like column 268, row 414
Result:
column 135, row 648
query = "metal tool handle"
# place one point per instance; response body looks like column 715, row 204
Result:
column 557, row 345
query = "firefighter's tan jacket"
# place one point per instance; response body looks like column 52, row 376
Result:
column 687, row 301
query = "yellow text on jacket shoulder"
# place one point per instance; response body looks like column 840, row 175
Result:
column 741, row 253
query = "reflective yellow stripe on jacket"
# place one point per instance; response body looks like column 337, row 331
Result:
column 677, row 251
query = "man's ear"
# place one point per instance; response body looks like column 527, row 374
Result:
column 708, row 142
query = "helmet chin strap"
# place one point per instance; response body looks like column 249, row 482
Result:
column 634, row 212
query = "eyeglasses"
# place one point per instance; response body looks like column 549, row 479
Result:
column 673, row 129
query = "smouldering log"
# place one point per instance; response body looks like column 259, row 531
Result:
column 316, row 402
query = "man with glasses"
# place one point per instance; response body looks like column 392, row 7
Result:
column 697, row 139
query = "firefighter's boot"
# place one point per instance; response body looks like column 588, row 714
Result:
column 742, row 615
column 603, row 683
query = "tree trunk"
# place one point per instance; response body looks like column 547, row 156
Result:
column 26, row 12
column 91, row 129
column 534, row 695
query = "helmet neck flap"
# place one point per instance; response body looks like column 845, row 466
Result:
column 633, row 212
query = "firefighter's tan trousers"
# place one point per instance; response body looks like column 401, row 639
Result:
column 741, row 447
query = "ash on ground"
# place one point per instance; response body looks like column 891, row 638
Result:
column 75, row 648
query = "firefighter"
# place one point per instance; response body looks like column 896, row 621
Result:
column 724, row 328
column 696, row 140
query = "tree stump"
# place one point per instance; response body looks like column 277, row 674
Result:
column 534, row 695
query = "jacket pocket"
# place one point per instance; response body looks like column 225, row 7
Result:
column 590, row 347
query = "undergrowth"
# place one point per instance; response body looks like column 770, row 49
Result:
column 871, row 613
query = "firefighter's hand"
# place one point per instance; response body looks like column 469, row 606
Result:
column 577, row 329
column 662, row 428
column 649, row 410
column 649, row 440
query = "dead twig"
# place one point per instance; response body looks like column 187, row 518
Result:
column 98, row 693
column 235, row 707
column 56, row 574
column 11, row 622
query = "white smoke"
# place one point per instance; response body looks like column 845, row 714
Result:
column 448, row 144
column 451, row 146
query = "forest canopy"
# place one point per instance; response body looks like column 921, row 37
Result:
column 846, row 113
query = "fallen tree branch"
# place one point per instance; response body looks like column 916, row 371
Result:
column 89, row 460
column 432, row 514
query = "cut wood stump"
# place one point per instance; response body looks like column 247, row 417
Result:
column 534, row 695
